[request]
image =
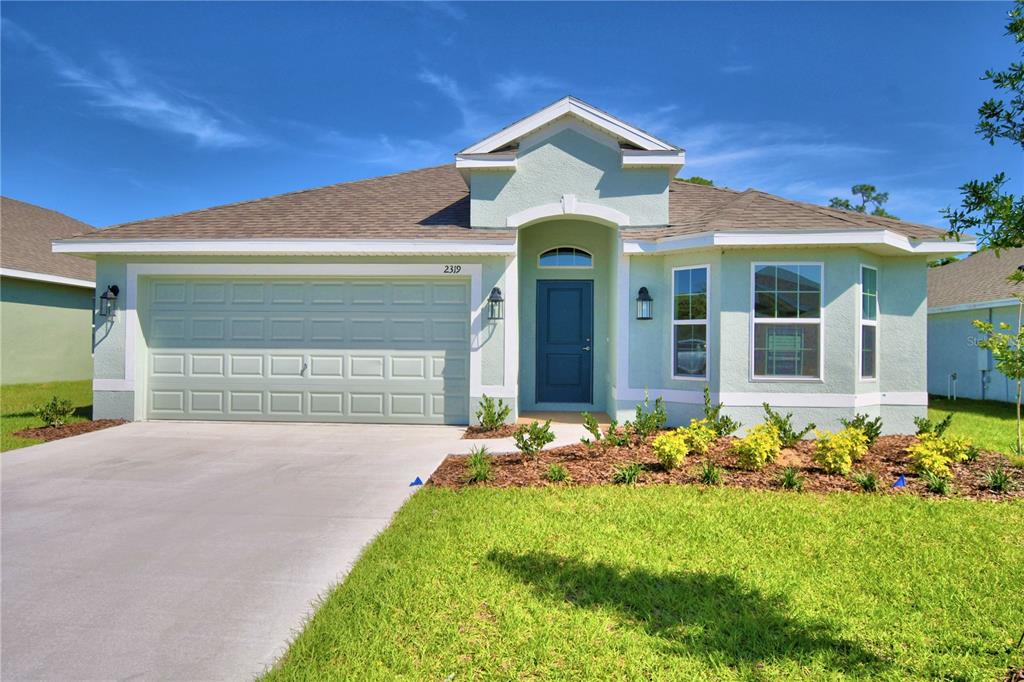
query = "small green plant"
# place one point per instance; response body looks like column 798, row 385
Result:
column 934, row 454
column 722, row 425
column 972, row 453
column 492, row 415
column 478, row 465
column 647, row 420
column 935, row 483
column 593, row 428
column 872, row 428
column 998, row 480
column 627, row 474
column 671, row 449
column 531, row 438
column 710, row 473
column 56, row 412
column 760, row 446
column 613, row 436
column 836, row 452
column 925, row 425
column 784, row 425
column 556, row 473
column 867, row 480
column 791, row 479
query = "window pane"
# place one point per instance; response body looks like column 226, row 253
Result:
column 810, row 305
column 810, row 278
column 581, row 259
column 869, row 280
column 869, row 307
column 691, row 354
column 787, row 350
column 690, row 294
column 787, row 278
column 565, row 257
column 868, row 354
column 764, row 278
column 549, row 258
column 787, row 291
column 764, row 305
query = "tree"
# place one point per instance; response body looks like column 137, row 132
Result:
column 1007, row 349
column 868, row 194
column 996, row 217
column 698, row 180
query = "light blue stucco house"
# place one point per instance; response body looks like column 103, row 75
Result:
column 557, row 264
column 974, row 288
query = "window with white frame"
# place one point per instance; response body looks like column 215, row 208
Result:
column 690, row 322
column 868, row 322
column 787, row 320
column 566, row 257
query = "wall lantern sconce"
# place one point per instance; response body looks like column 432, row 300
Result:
column 496, row 305
column 108, row 301
column 644, row 305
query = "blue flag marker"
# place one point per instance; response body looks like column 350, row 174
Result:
column 418, row 481
column 901, row 482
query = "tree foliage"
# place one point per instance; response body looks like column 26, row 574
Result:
column 866, row 195
column 698, row 180
column 996, row 216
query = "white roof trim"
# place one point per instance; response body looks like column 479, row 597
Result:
column 43, row 277
column 568, row 207
column 494, row 161
column 636, row 158
column 387, row 247
column 959, row 307
column 882, row 238
column 574, row 107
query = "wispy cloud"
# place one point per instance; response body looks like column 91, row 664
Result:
column 516, row 86
column 450, row 10
column 122, row 90
column 734, row 69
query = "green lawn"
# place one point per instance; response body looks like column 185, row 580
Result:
column 675, row 583
column 989, row 424
column 18, row 402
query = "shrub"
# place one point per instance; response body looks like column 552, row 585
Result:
column 998, row 480
column 972, row 453
column 760, row 446
column 925, row 425
column 935, row 483
column 933, row 454
column 612, row 436
column 492, row 415
column 722, row 425
column 531, row 438
column 647, row 420
column 478, row 465
column 784, row 425
column 710, row 474
column 556, row 473
column 671, row 448
column 627, row 474
column 836, row 452
column 700, row 435
column 56, row 412
column 791, row 479
column 867, row 480
column 872, row 428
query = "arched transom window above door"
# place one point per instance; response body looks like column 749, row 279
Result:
column 566, row 257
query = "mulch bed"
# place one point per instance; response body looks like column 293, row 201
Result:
column 48, row 433
column 504, row 431
column 887, row 458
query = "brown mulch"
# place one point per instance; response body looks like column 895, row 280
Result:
column 48, row 433
column 504, row 431
column 887, row 458
column 1015, row 675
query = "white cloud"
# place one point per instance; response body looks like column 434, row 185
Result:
column 517, row 85
column 123, row 91
column 734, row 69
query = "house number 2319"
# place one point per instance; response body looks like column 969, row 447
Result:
column 452, row 269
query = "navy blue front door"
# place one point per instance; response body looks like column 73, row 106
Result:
column 565, row 335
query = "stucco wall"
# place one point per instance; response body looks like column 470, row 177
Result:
column 952, row 348
column 45, row 332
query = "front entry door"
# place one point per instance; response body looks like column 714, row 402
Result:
column 565, row 335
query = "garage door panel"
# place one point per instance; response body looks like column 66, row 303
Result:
column 316, row 350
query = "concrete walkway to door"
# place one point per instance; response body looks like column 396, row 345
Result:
column 189, row 551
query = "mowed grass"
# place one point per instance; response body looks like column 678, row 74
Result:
column 990, row 425
column 675, row 583
column 18, row 403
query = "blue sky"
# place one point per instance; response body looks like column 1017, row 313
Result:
column 117, row 112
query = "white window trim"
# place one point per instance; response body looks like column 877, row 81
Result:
column 565, row 267
column 862, row 321
column 676, row 323
column 820, row 321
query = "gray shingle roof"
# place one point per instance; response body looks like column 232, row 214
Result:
column 978, row 278
column 26, row 231
column 433, row 203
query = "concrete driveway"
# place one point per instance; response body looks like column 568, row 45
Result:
column 189, row 551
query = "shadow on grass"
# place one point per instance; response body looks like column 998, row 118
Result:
column 695, row 613
column 83, row 411
column 985, row 408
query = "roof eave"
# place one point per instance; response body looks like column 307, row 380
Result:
column 881, row 241
column 333, row 247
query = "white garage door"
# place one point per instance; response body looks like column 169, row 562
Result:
column 339, row 350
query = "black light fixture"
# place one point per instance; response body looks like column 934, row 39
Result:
column 495, row 305
column 644, row 305
column 108, row 301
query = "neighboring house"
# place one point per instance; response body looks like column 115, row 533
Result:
column 974, row 288
column 46, row 299
column 371, row 300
